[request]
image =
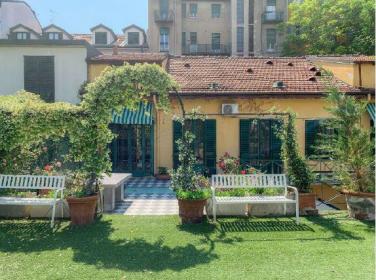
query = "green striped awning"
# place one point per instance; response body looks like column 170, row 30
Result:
column 143, row 115
column 371, row 111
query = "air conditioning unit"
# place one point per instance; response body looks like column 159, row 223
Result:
column 230, row 109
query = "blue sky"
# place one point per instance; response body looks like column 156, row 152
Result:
column 78, row 16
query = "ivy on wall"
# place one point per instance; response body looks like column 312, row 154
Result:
column 26, row 121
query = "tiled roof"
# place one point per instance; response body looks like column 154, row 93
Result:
column 345, row 58
column 130, row 57
column 86, row 37
column 224, row 75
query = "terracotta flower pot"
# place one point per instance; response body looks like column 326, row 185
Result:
column 360, row 205
column 164, row 177
column 307, row 202
column 191, row 211
column 82, row 210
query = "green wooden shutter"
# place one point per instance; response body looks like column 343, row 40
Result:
column 177, row 134
column 311, row 130
column 210, row 149
column 39, row 76
column 244, row 141
column 276, row 143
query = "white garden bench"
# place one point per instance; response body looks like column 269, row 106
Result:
column 252, row 182
column 29, row 182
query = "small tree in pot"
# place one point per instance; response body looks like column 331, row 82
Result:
column 191, row 188
column 351, row 148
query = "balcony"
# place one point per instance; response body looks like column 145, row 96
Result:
column 273, row 17
column 163, row 16
column 206, row 49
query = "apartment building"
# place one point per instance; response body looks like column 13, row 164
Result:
column 217, row 27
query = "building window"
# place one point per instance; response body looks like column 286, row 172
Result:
column 193, row 10
column 260, row 145
column 193, row 38
column 164, row 36
column 133, row 38
column 39, row 76
column 101, row 38
column 22, row 35
column 216, row 10
column 271, row 13
column 240, row 11
column 240, row 39
column 271, row 39
column 54, row 36
column 216, row 41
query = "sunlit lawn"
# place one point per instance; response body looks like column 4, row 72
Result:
column 119, row 247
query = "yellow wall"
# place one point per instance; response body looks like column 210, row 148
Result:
column 95, row 70
column 228, row 127
column 349, row 72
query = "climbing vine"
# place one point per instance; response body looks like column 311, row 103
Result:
column 26, row 121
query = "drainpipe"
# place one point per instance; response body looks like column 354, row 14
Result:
column 360, row 74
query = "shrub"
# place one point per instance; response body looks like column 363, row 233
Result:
column 350, row 146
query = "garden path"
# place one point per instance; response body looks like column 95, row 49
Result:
column 147, row 196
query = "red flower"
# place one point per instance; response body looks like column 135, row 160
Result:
column 48, row 168
column 243, row 172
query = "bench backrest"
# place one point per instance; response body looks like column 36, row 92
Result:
column 249, row 181
column 32, row 182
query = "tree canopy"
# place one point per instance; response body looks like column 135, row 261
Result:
column 319, row 27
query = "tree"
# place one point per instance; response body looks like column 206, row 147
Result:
column 350, row 145
column 298, row 171
column 319, row 27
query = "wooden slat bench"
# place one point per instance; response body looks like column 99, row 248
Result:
column 252, row 182
column 29, row 182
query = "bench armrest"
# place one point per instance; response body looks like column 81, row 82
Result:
column 213, row 191
column 295, row 191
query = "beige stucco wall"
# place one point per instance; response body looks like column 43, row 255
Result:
column 349, row 72
column 228, row 126
column 70, row 69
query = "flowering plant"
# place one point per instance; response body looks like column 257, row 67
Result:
column 229, row 164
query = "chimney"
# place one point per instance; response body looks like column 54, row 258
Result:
column 115, row 50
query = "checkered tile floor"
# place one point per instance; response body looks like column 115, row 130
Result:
column 147, row 196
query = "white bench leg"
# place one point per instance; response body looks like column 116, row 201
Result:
column 214, row 212
column 53, row 215
column 297, row 212
column 285, row 209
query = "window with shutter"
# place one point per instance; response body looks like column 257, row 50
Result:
column 101, row 38
column 39, row 76
column 204, row 145
column 260, row 145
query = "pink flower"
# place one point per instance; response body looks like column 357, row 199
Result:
column 243, row 172
column 58, row 164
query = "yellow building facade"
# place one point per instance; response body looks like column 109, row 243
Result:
column 262, row 104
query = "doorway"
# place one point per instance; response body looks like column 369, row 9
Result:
column 132, row 149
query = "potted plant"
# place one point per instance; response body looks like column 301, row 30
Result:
column 351, row 148
column 82, row 198
column 191, row 188
column 298, row 171
column 163, row 174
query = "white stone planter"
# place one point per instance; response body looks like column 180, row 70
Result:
column 256, row 210
column 40, row 211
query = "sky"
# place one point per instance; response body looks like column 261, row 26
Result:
column 78, row 16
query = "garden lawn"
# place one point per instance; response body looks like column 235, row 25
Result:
column 121, row 247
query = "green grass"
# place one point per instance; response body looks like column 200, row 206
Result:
column 118, row 247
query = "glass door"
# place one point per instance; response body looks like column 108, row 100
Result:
column 132, row 150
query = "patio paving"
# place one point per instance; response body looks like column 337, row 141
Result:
column 147, row 196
